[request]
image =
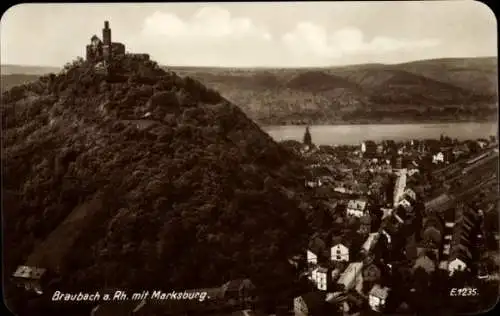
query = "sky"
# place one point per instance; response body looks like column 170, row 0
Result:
column 253, row 34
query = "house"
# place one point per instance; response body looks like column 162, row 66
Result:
column 314, row 183
column 321, row 277
column 399, row 187
column 438, row 158
column 378, row 297
column 365, row 224
column 380, row 148
column 352, row 276
column 239, row 290
column 409, row 193
column 439, row 204
column 460, row 255
column 340, row 249
column 482, row 143
column 369, row 243
column 372, row 272
column 340, row 189
column 356, row 208
column 425, row 262
column 397, row 162
column 31, row 278
column 310, row 304
column 312, row 257
column 405, row 204
column 432, row 235
column 459, row 259
column 368, row 148
column 316, row 251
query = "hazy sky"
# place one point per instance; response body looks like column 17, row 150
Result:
column 254, row 34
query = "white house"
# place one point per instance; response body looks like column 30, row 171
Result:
column 456, row 265
column 312, row 258
column 320, row 278
column 482, row 144
column 352, row 276
column 314, row 184
column 340, row 189
column 363, row 147
column 399, row 186
column 356, row 208
column 378, row 297
column 339, row 252
column 438, row 158
column 370, row 242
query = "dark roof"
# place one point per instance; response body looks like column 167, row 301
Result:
column 236, row 285
column 366, row 219
column 314, row 300
column 460, row 252
column 426, row 263
column 317, row 245
column 344, row 240
column 438, row 203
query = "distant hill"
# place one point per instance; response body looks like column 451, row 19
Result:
column 476, row 74
column 388, row 86
column 319, row 81
column 12, row 80
column 27, row 70
column 448, row 89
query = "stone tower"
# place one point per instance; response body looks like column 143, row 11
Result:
column 106, row 41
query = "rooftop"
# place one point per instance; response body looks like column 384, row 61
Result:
column 380, row 292
column 29, row 272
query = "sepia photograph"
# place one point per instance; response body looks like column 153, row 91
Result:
column 256, row 159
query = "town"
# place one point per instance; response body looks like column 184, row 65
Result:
column 403, row 224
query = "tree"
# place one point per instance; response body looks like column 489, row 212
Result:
column 307, row 137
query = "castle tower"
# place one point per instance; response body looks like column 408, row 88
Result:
column 106, row 41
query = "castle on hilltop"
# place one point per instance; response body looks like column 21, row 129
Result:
column 105, row 50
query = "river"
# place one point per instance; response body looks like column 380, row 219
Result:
column 354, row 134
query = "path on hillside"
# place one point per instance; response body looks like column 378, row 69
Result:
column 51, row 251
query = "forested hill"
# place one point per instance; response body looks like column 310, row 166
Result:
column 189, row 190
